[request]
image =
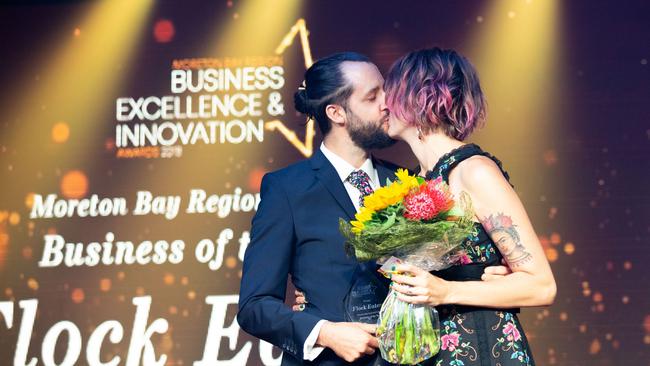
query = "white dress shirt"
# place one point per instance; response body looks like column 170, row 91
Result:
column 343, row 168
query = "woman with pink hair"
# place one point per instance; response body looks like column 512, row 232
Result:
column 435, row 102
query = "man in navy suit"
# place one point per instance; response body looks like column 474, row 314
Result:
column 295, row 231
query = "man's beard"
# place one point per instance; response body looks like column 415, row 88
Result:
column 367, row 135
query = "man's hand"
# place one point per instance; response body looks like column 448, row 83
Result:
column 350, row 341
column 496, row 272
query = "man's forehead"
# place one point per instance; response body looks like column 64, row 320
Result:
column 362, row 74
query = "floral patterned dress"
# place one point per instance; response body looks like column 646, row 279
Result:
column 475, row 335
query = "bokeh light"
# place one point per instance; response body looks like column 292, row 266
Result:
column 164, row 31
column 78, row 296
column 60, row 132
column 74, row 184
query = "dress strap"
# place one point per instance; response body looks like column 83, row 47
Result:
column 448, row 162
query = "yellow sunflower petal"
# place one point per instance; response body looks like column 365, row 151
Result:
column 357, row 226
column 364, row 215
column 402, row 174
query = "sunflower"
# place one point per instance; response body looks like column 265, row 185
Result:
column 372, row 202
column 384, row 197
column 364, row 215
column 357, row 226
column 409, row 181
column 380, row 199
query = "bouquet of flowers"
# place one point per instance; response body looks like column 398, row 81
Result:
column 417, row 222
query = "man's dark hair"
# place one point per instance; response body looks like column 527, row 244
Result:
column 325, row 84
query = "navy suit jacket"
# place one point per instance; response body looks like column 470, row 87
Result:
column 296, row 232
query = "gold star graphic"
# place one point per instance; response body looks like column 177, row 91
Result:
column 307, row 147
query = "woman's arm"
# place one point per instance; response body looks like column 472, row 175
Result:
column 504, row 218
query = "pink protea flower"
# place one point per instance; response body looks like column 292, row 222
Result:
column 432, row 199
column 449, row 341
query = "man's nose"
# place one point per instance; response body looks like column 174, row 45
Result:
column 382, row 105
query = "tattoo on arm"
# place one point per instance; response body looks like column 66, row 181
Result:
column 506, row 238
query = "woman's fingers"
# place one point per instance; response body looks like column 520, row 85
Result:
column 300, row 297
column 405, row 280
column 408, row 268
column 498, row 270
column 490, row 277
column 408, row 290
column 300, row 307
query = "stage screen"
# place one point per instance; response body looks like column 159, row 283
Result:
column 135, row 134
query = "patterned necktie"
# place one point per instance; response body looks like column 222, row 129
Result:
column 361, row 181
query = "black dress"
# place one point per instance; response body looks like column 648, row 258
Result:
column 473, row 336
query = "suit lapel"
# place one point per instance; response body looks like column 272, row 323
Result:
column 383, row 172
column 332, row 182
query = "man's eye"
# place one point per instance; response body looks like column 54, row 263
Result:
column 372, row 99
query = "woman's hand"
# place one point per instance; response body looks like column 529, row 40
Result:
column 496, row 272
column 417, row 286
column 300, row 301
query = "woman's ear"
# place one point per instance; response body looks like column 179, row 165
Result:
column 336, row 114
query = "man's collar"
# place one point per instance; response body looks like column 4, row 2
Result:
column 343, row 168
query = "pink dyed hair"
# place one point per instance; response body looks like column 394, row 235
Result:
column 436, row 89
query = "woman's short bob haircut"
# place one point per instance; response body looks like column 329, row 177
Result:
column 436, row 90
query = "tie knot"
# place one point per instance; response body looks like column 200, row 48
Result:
column 361, row 181
column 358, row 176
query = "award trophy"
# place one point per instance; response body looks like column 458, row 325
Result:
column 366, row 295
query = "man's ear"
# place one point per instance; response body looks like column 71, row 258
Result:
column 336, row 114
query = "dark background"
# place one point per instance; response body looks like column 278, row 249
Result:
column 577, row 152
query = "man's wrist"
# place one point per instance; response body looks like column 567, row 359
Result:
column 311, row 350
column 323, row 334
